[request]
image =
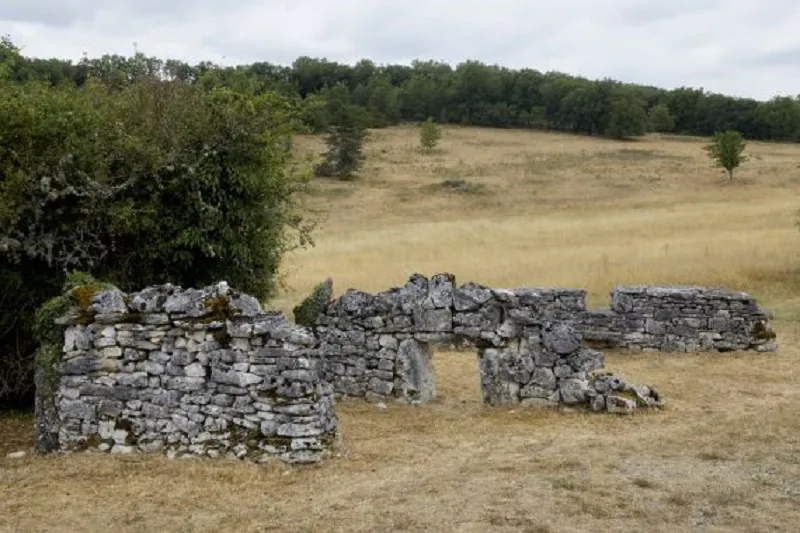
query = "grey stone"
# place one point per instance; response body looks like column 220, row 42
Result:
column 415, row 366
column 470, row 297
column 111, row 352
column 598, row 403
column 154, row 411
column 109, row 302
column 246, row 306
column 78, row 409
column 137, row 379
column 618, row 405
column 563, row 371
column 122, row 449
column 388, row 341
column 536, row 391
column 544, row 378
column 298, row 430
column 185, row 384
column 77, row 338
column 440, row 291
column 80, row 366
column 150, row 300
column 109, row 408
column 153, row 368
column 573, row 391
column 170, row 398
column 152, row 447
column 562, row 339
column 433, row 320
column 195, row 370
column 161, row 358
column 145, row 345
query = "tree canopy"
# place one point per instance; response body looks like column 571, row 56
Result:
column 470, row 93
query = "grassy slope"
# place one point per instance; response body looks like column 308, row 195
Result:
column 545, row 210
column 557, row 210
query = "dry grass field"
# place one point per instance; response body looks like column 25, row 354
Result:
column 537, row 210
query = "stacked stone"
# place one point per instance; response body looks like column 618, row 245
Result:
column 555, row 369
column 680, row 319
column 379, row 345
column 191, row 372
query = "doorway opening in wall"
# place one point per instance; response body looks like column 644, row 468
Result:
column 457, row 374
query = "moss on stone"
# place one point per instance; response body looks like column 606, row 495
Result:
column 222, row 337
column 77, row 293
column 242, row 435
column 630, row 395
column 219, row 307
column 83, row 296
column 277, row 441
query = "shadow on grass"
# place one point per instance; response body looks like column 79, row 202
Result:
column 16, row 431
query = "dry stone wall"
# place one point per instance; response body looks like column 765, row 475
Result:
column 207, row 372
column 679, row 319
column 188, row 372
column 379, row 345
column 531, row 342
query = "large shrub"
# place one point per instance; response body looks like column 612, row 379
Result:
column 148, row 183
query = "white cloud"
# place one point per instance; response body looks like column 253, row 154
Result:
column 741, row 47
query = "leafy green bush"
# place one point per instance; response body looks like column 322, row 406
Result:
column 147, row 183
column 307, row 311
column 725, row 150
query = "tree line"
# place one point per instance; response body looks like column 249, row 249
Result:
column 471, row 93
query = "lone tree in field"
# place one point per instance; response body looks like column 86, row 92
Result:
column 429, row 135
column 346, row 133
column 726, row 150
column 661, row 121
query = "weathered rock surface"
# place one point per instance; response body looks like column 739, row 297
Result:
column 529, row 343
column 186, row 372
column 679, row 319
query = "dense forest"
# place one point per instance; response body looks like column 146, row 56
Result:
column 471, row 93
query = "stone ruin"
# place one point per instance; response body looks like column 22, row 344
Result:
column 207, row 372
column 187, row 372
column 531, row 343
column 678, row 319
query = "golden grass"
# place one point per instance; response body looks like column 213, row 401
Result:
column 556, row 210
column 551, row 210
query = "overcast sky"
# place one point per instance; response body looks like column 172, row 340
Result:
column 739, row 47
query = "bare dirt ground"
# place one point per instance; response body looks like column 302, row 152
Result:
column 540, row 210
